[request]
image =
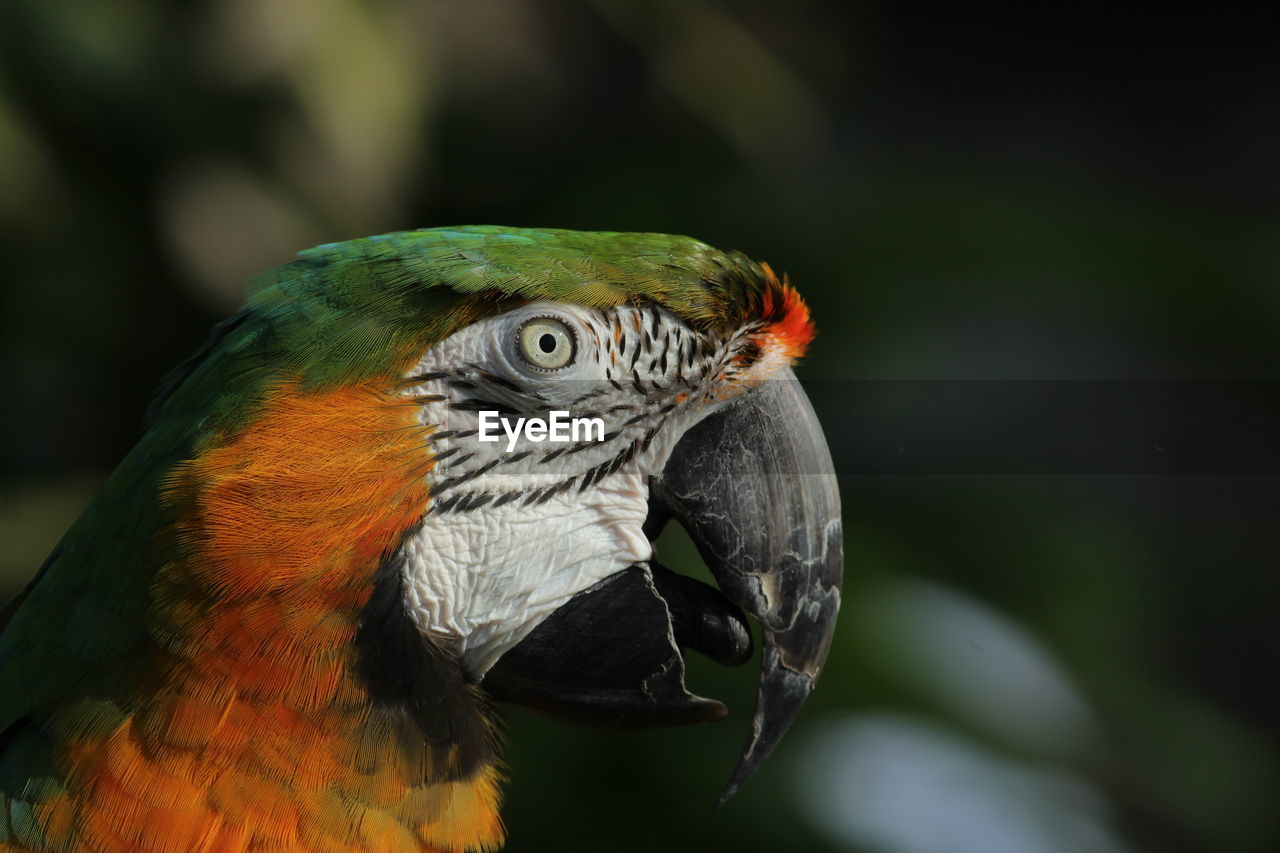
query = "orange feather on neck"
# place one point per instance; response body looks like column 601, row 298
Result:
column 257, row 729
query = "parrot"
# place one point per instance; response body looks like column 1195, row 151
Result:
column 291, row 616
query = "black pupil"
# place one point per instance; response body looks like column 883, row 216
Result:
column 547, row 343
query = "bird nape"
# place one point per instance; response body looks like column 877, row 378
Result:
column 417, row 474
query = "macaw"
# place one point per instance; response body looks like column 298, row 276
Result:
column 286, row 619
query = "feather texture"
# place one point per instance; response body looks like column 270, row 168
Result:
column 187, row 672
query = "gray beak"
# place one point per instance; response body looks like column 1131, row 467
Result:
column 755, row 488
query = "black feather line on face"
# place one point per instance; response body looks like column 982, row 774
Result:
column 508, row 496
column 532, row 497
column 648, row 339
column 553, row 454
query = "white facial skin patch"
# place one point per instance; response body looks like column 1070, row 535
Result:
column 513, row 532
column 490, row 577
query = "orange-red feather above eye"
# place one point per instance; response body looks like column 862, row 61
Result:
column 789, row 327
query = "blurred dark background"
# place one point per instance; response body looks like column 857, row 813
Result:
column 1031, row 658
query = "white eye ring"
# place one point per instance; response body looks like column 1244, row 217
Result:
column 546, row 343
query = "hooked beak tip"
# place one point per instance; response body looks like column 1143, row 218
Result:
column 755, row 487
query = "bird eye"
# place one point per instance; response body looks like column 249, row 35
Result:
column 546, row 343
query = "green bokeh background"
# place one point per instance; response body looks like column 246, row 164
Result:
column 976, row 192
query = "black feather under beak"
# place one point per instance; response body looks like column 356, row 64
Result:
column 755, row 488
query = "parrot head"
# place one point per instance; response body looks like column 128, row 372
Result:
column 420, row 473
